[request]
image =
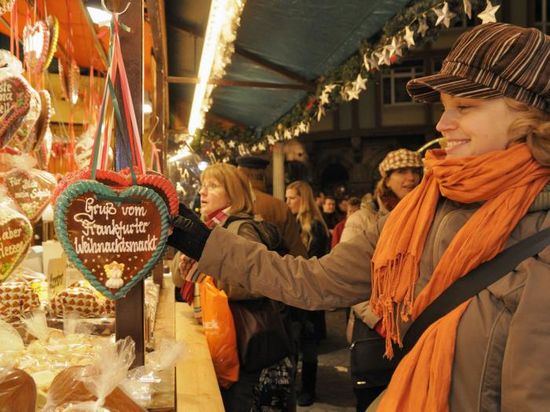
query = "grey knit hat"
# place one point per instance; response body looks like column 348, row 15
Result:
column 492, row 60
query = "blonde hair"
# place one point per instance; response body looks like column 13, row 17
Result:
column 308, row 211
column 235, row 184
column 533, row 128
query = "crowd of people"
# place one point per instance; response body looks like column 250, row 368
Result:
column 428, row 223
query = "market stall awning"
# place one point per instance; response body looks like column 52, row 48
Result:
column 282, row 48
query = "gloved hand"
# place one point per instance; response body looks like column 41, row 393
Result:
column 189, row 233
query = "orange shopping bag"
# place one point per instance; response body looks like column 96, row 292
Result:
column 220, row 333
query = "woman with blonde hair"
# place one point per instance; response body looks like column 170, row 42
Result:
column 226, row 201
column 316, row 238
column 481, row 196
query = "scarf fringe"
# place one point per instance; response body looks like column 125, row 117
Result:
column 392, row 296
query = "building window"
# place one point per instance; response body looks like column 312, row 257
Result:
column 394, row 91
column 541, row 17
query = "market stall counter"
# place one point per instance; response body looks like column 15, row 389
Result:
column 196, row 385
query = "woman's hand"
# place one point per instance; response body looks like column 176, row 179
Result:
column 189, row 233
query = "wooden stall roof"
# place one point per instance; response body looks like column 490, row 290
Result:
column 78, row 37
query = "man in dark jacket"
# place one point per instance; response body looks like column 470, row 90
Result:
column 270, row 208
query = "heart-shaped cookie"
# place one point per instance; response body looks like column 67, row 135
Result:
column 15, row 239
column 43, row 122
column 53, row 26
column 15, row 98
column 30, row 190
column 25, row 137
column 36, row 43
column 114, row 237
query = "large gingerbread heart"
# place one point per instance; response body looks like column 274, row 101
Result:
column 30, row 190
column 36, row 43
column 15, row 97
column 114, row 237
column 15, row 239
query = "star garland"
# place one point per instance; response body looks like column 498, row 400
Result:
column 412, row 28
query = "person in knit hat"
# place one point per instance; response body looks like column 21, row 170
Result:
column 481, row 194
column 400, row 171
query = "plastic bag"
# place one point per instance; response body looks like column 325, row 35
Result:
column 141, row 381
column 94, row 387
column 17, row 391
column 220, row 332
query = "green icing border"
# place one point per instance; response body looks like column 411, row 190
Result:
column 60, row 222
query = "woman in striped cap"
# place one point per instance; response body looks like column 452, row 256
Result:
column 482, row 194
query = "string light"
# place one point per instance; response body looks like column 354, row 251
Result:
column 221, row 32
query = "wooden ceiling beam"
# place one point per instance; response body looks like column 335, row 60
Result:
column 240, row 83
column 250, row 56
column 269, row 65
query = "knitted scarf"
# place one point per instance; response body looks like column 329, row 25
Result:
column 507, row 182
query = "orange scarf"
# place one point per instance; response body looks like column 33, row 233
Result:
column 507, row 181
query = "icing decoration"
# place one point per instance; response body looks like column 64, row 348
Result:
column 15, row 239
column 36, row 43
column 9, row 63
column 15, row 98
column 99, row 227
column 53, row 25
column 30, row 190
column 25, row 137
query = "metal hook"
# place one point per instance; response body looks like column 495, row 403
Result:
column 152, row 130
column 115, row 12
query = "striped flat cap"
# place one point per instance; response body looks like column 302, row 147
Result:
column 493, row 60
column 398, row 159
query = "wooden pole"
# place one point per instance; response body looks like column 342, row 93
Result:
column 129, row 310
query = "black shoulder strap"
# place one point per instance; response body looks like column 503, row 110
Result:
column 474, row 282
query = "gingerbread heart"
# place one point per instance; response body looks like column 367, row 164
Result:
column 36, row 43
column 53, row 26
column 15, row 239
column 43, row 122
column 30, row 190
column 44, row 149
column 114, row 237
column 25, row 137
column 15, row 98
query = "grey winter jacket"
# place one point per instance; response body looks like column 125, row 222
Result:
column 502, row 356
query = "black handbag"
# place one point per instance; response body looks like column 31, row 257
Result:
column 262, row 337
column 368, row 366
